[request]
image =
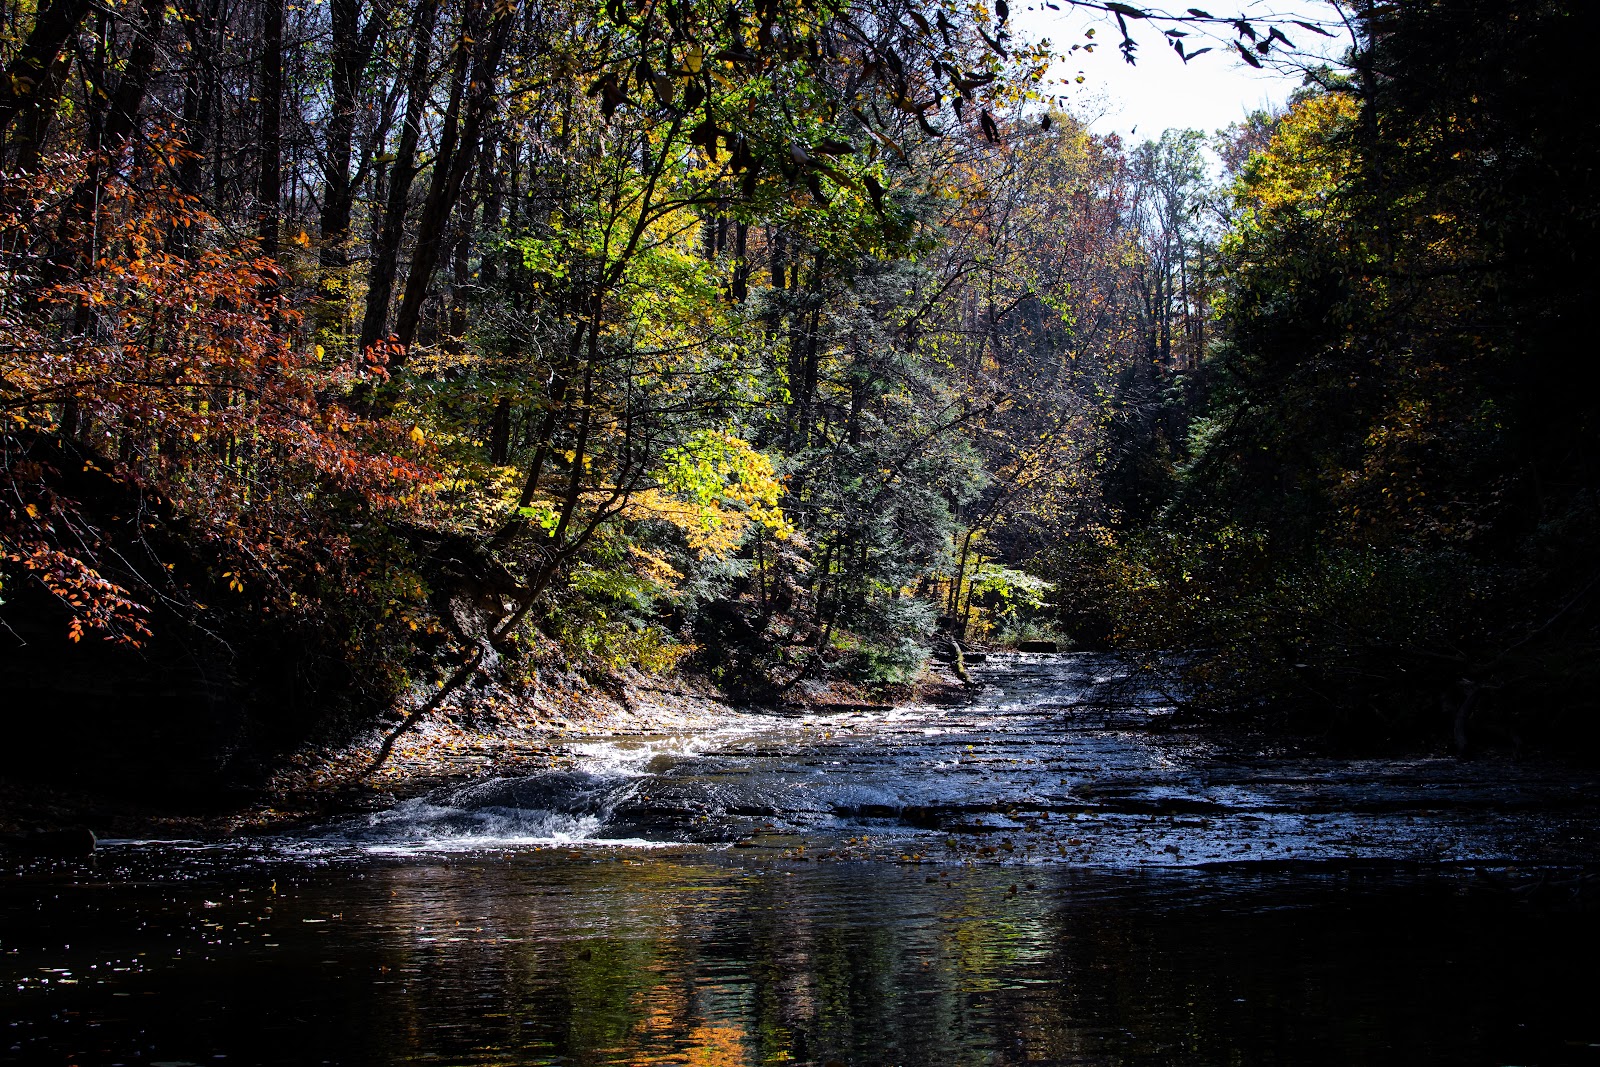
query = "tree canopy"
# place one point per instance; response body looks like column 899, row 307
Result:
column 436, row 337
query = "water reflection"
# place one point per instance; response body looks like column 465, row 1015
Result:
column 630, row 957
column 772, row 924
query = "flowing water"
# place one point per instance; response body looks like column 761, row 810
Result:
column 1060, row 872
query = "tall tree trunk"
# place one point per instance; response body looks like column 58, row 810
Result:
column 470, row 104
column 775, row 255
column 491, row 183
column 459, row 283
column 352, row 50
column 33, row 124
column 269, row 184
column 380, row 278
column 741, row 266
column 121, row 118
column 199, row 26
column 25, row 87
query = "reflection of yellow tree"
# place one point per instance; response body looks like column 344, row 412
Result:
column 660, row 1010
column 716, row 1046
column 634, row 965
column 667, row 1030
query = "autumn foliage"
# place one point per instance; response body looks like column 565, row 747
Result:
column 152, row 373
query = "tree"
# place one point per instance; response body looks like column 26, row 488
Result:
column 688, row 307
column 1385, row 510
column 149, row 387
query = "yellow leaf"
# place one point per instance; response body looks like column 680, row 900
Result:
column 417, row 435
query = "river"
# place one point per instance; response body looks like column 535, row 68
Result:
column 1060, row 872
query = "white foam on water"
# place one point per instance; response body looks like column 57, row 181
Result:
column 634, row 756
column 487, row 843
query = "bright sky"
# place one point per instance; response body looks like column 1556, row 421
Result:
column 1161, row 91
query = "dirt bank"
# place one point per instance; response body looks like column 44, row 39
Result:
column 485, row 731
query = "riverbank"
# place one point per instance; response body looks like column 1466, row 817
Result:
column 487, row 731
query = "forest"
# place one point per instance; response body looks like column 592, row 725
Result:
column 359, row 354
column 736, row 533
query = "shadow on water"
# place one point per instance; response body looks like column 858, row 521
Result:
column 623, row 958
column 1057, row 874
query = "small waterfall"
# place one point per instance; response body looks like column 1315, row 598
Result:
column 553, row 808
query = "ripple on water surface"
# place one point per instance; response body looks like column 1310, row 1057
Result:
column 623, row 956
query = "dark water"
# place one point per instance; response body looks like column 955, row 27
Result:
column 1058, row 874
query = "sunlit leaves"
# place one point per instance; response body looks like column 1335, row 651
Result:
column 723, row 485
